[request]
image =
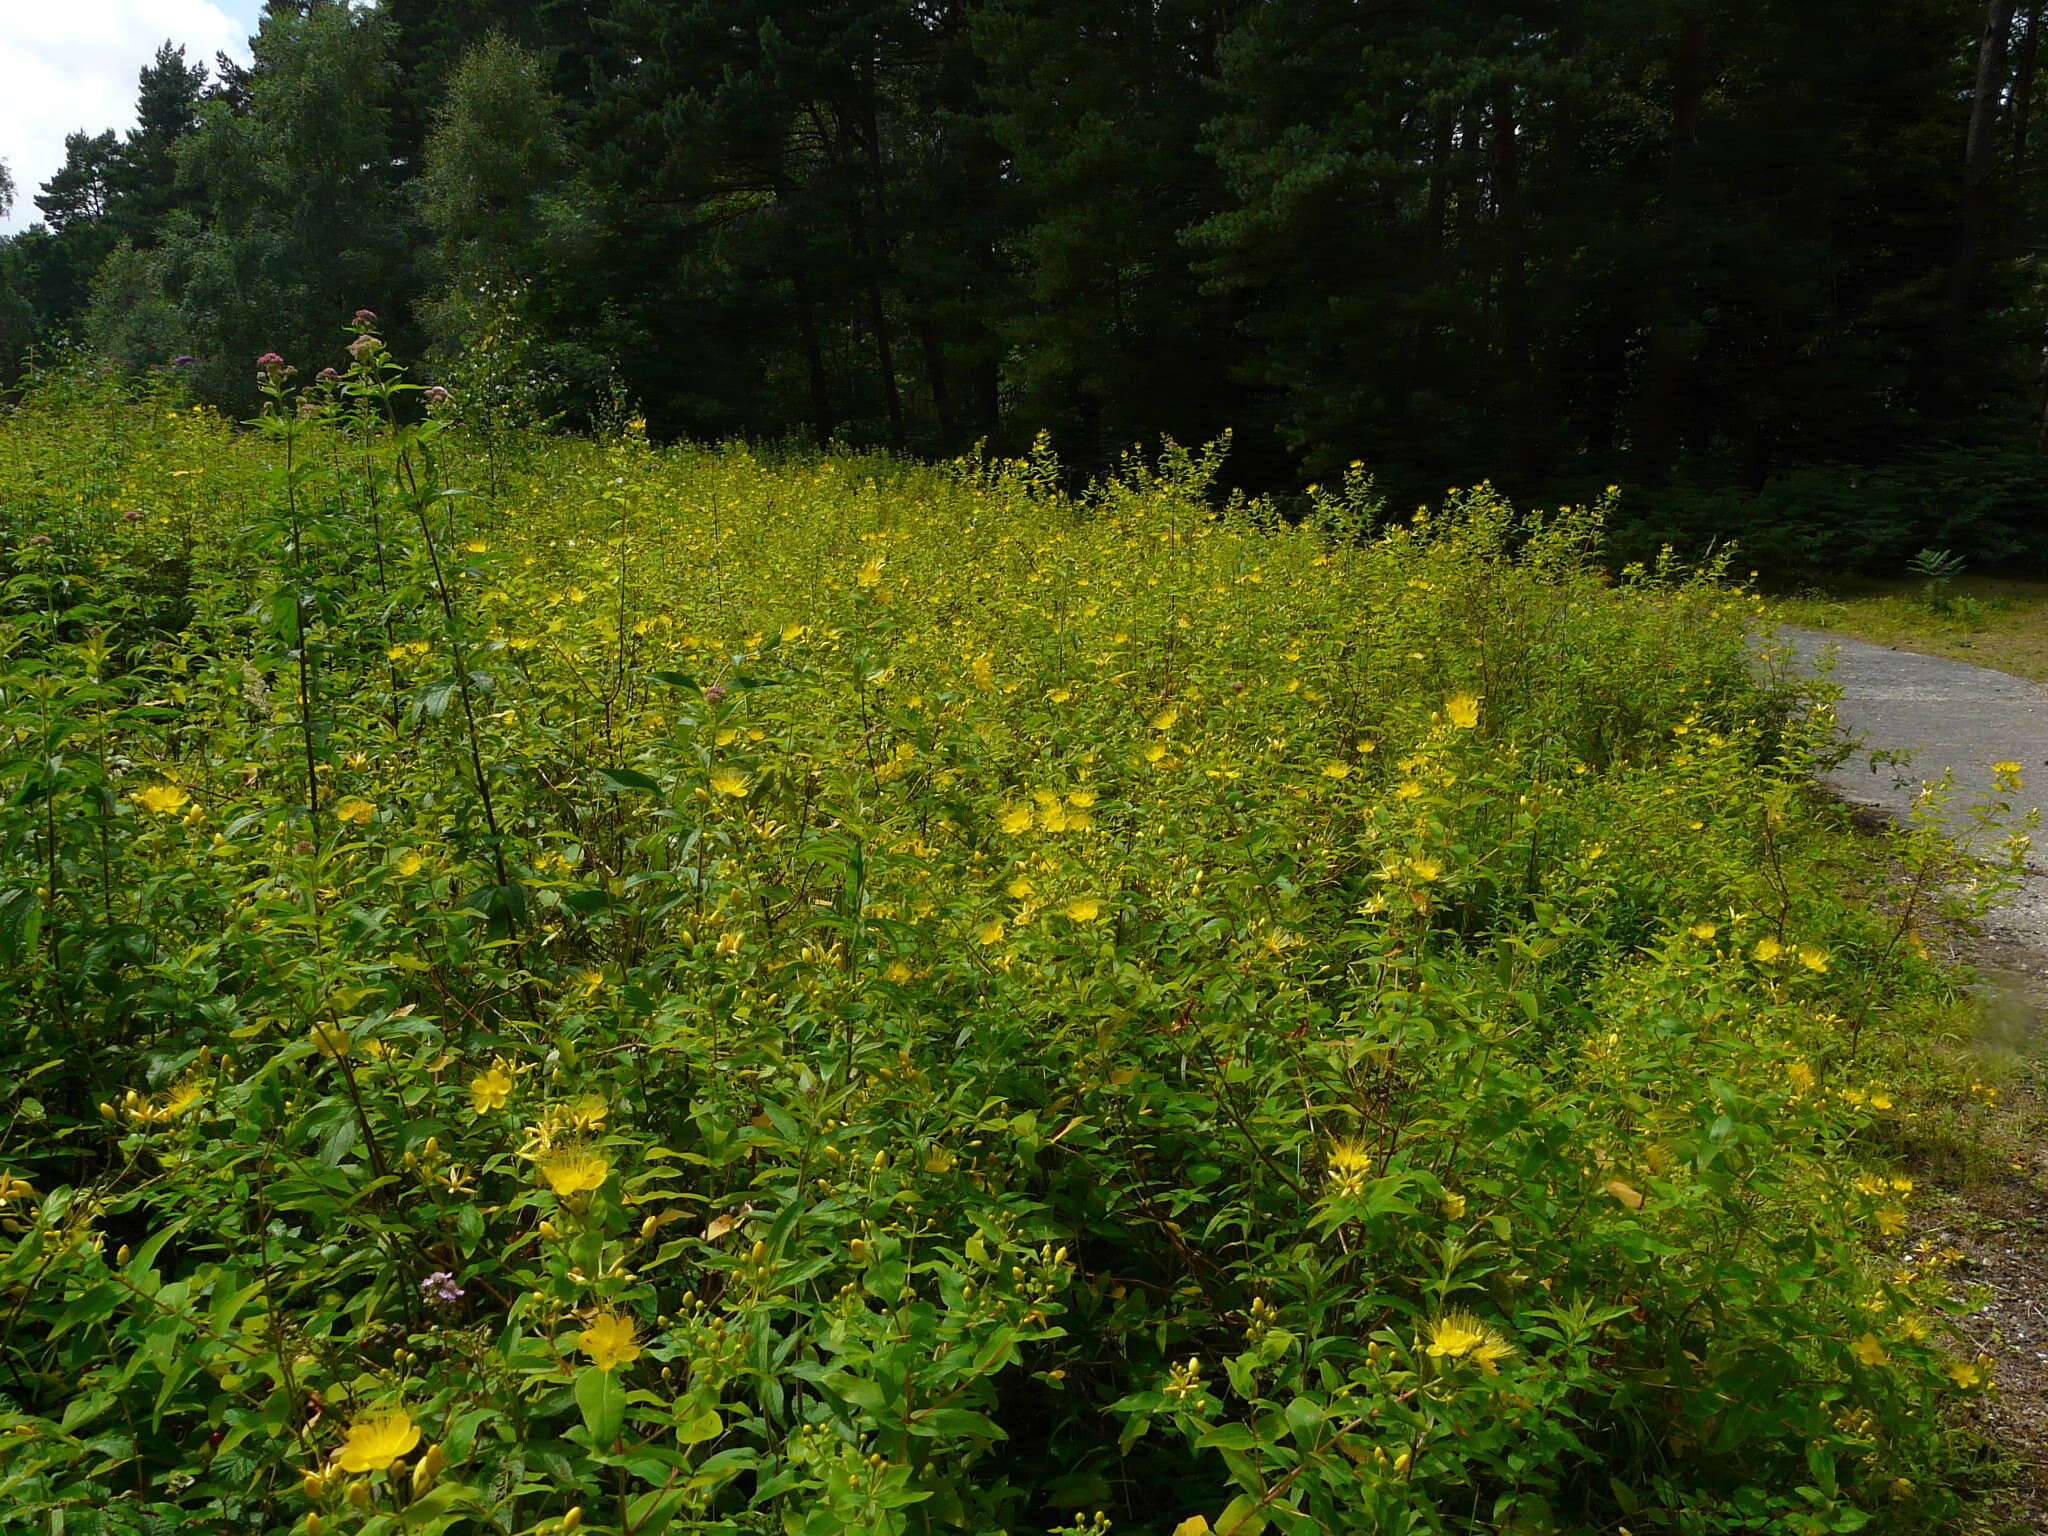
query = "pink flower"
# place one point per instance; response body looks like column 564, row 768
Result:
column 365, row 319
column 364, row 346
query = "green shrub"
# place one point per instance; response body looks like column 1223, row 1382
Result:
column 715, row 995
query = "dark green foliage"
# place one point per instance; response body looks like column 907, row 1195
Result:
column 1710, row 250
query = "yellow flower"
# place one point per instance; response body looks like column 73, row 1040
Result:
column 1015, row 819
column 181, row 1097
column 897, row 972
column 1970, row 1374
column 163, row 799
column 1059, row 695
column 489, row 1090
column 1767, row 950
column 1869, row 1351
column 1463, row 710
column 1461, row 1336
column 355, row 811
column 1082, row 799
column 1084, row 909
column 990, row 932
column 1350, row 1157
column 572, row 1170
column 1163, row 721
column 611, row 1340
column 2008, row 766
column 376, row 1442
column 1813, row 959
column 1336, row 770
column 1801, row 1075
column 869, row 575
column 983, row 672
column 730, row 781
column 1454, row 1206
column 1425, row 869
column 409, row 863
column 331, row 1040
column 1350, row 1165
column 1703, row 931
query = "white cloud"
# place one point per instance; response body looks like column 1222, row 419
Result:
column 67, row 65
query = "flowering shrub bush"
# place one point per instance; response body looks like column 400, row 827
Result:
column 706, row 993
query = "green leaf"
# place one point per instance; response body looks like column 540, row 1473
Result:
column 1240, row 1518
column 619, row 780
column 602, row 1398
column 699, row 1425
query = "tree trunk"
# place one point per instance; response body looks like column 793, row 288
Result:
column 878, row 249
column 988, row 396
column 935, row 379
column 1980, row 160
column 2023, row 82
column 1514, row 283
column 1666, row 351
column 1439, row 173
column 814, row 358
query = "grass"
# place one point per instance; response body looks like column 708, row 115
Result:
column 1992, row 621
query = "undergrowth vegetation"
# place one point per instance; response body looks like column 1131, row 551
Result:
column 702, row 992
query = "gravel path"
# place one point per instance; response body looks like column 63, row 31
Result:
column 1951, row 715
column 1947, row 715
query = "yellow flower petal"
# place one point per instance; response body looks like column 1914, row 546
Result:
column 611, row 1340
column 376, row 1442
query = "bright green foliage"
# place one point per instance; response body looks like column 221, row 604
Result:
column 731, row 994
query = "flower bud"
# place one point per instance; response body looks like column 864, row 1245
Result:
column 359, row 1494
column 428, row 1470
column 312, row 1485
column 573, row 1519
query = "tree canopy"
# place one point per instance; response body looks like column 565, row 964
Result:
column 1708, row 249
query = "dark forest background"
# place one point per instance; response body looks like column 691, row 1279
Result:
column 1773, row 266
